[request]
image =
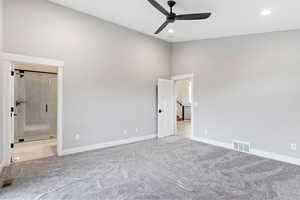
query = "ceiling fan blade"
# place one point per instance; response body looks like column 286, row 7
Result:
column 196, row 16
column 162, row 27
column 159, row 7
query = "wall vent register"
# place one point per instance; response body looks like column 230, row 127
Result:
column 242, row 146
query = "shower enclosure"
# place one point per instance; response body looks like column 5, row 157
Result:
column 36, row 106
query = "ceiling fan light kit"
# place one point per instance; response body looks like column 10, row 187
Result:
column 171, row 17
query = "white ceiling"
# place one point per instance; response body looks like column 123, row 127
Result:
column 229, row 17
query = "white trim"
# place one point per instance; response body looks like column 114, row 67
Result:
column 183, row 77
column 256, row 152
column 213, row 142
column 6, row 112
column 60, row 110
column 9, row 61
column 178, row 78
column 106, row 144
column 274, row 156
column 32, row 60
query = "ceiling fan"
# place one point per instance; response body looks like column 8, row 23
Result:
column 171, row 17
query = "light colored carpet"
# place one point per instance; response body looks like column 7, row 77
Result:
column 168, row 169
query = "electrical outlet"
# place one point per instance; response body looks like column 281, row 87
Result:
column 294, row 147
column 137, row 130
column 77, row 137
column 125, row 132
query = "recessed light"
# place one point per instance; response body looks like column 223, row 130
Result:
column 266, row 12
column 171, row 31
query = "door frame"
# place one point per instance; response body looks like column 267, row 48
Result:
column 9, row 60
column 180, row 78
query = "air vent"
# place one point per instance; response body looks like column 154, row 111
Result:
column 241, row 146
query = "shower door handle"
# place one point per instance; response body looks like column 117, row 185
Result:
column 46, row 107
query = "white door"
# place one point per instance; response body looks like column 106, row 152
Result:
column 165, row 108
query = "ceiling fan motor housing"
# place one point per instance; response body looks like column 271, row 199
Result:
column 171, row 18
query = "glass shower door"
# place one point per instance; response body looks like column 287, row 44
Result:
column 36, row 106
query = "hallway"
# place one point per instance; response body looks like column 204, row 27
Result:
column 184, row 128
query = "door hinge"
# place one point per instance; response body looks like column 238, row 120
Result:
column 12, row 145
column 12, row 110
column 12, row 73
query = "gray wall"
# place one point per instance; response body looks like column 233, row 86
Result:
column 109, row 74
column 247, row 88
column 1, row 74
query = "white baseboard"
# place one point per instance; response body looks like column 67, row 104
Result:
column 278, row 157
column 106, row 144
column 256, row 152
column 213, row 142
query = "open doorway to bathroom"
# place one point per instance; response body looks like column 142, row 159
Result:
column 35, row 114
column 184, row 99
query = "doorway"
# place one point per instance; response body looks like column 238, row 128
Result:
column 35, row 115
column 33, row 106
column 183, row 96
column 175, row 108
